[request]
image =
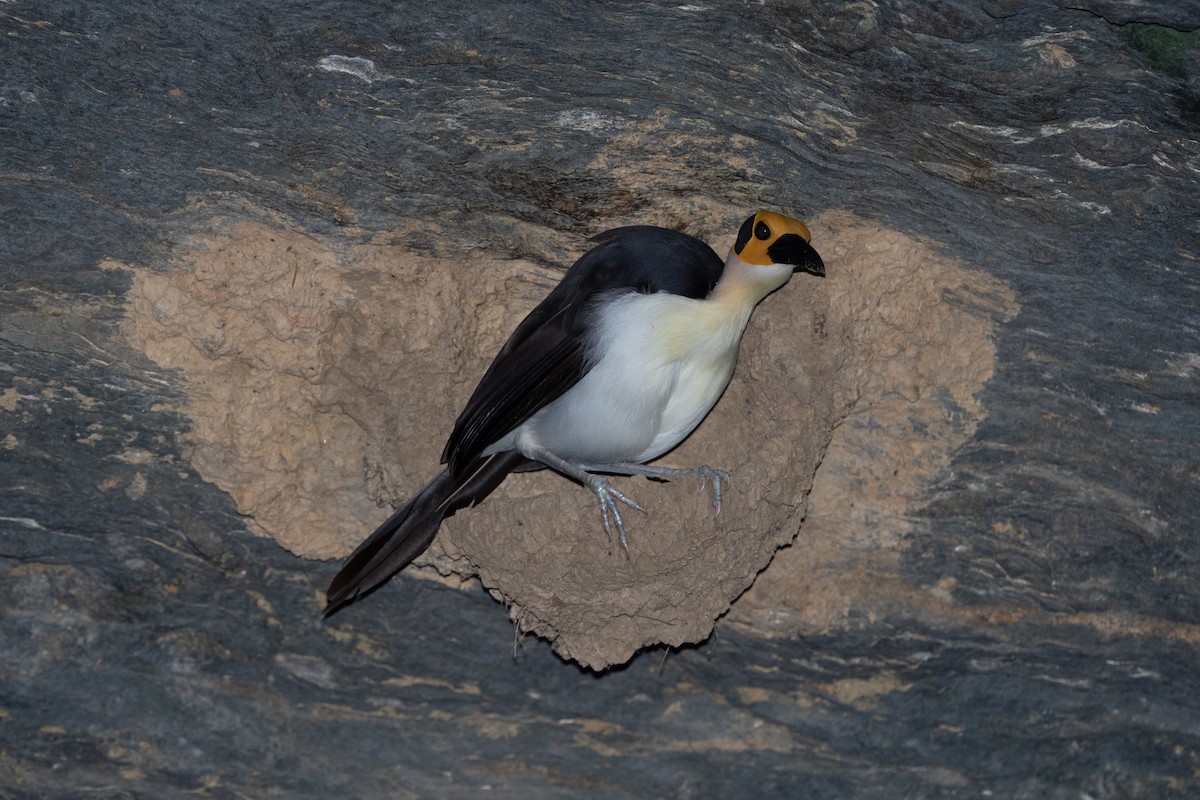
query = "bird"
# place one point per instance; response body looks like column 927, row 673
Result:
column 614, row 368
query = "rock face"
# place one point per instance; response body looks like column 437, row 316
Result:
column 252, row 262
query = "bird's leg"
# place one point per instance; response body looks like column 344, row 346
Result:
column 705, row 473
column 606, row 495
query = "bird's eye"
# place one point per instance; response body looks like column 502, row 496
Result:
column 762, row 231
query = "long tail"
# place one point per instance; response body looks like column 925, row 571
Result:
column 411, row 527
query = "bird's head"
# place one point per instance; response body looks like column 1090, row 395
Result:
column 768, row 239
column 768, row 249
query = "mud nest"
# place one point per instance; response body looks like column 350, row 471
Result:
column 323, row 378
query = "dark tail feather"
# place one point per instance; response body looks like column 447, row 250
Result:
column 411, row 527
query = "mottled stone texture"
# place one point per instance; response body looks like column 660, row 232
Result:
column 1020, row 619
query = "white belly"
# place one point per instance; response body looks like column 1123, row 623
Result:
column 661, row 363
column 698, row 386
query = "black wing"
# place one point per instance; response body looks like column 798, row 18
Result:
column 546, row 355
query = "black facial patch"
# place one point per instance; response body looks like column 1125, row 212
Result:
column 744, row 234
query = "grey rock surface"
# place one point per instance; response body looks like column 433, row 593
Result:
column 152, row 646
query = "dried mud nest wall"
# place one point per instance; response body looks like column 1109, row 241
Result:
column 323, row 377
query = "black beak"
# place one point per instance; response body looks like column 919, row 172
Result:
column 792, row 249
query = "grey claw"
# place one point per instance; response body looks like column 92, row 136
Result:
column 627, row 500
column 610, row 516
column 718, row 477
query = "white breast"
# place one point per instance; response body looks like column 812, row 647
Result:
column 660, row 362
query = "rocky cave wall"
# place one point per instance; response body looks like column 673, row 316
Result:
column 253, row 259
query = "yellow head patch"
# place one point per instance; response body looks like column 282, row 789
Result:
column 762, row 230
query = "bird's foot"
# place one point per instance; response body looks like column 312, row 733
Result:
column 718, row 477
column 610, row 515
